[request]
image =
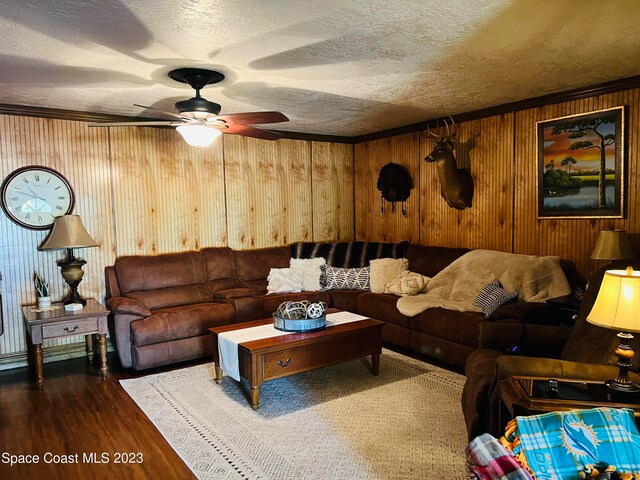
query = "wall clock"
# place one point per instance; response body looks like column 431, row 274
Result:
column 33, row 196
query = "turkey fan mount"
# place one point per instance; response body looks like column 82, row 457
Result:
column 395, row 184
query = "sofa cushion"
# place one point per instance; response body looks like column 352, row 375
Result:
column 147, row 272
column 175, row 323
column 219, row 262
column 258, row 287
column 430, row 260
column 220, row 265
column 173, row 296
column 256, row 264
column 452, row 325
column 349, row 254
column 346, row 300
column 164, row 280
column 381, row 306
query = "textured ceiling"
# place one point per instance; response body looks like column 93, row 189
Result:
column 344, row 67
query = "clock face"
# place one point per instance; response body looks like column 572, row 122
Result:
column 33, row 196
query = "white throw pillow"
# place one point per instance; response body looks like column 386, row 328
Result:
column 407, row 283
column 311, row 271
column 284, row 280
column 384, row 270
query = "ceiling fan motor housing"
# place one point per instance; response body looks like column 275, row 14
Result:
column 197, row 106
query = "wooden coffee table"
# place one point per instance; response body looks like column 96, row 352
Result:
column 275, row 357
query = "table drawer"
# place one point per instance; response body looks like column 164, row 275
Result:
column 321, row 354
column 65, row 329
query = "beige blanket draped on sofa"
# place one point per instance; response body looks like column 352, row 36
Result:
column 532, row 277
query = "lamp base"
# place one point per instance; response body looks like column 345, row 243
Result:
column 72, row 273
column 625, row 353
column 622, row 387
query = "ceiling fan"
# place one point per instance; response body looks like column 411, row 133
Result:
column 197, row 119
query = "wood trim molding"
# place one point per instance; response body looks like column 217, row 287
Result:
column 559, row 97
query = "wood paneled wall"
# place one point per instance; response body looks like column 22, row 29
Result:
column 502, row 156
column 145, row 191
column 372, row 224
column 572, row 238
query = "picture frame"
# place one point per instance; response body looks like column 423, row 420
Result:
column 581, row 165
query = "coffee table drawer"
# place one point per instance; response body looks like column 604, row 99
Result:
column 79, row 327
column 321, row 354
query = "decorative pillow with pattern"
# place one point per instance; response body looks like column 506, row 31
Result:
column 492, row 296
column 284, row 280
column 384, row 270
column 311, row 271
column 407, row 283
column 346, row 278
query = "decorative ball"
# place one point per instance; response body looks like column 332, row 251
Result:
column 315, row 310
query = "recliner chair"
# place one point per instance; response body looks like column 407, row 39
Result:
column 584, row 351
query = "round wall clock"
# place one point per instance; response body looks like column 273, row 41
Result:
column 33, row 196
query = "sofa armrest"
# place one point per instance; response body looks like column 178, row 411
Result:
column 509, row 366
column 129, row 306
column 530, row 312
column 532, row 340
column 229, row 293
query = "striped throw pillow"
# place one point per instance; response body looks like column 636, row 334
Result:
column 491, row 296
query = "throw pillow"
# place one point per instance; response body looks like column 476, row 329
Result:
column 311, row 271
column 284, row 280
column 346, row 278
column 384, row 270
column 491, row 296
column 407, row 283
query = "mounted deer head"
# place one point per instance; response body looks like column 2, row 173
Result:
column 456, row 184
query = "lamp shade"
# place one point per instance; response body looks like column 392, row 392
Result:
column 67, row 232
column 612, row 245
column 617, row 305
column 198, row 135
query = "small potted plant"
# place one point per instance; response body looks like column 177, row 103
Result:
column 42, row 290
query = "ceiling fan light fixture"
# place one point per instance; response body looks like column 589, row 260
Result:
column 198, row 135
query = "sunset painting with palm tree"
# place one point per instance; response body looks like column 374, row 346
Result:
column 580, row 165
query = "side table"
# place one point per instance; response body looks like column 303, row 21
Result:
column 568, row 304
column 524, row 395
column 59, row 323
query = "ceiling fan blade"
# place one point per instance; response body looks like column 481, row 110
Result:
column 170, row 114
column 151, row 123
column 253, row 118
column 247, row 131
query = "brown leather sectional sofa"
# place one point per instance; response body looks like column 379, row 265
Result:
column 162, row 306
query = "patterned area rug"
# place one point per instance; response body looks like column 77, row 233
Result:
column 338, row 422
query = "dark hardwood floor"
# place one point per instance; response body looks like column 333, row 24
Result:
column 78, row 414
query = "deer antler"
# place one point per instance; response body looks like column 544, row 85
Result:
column 448, row 135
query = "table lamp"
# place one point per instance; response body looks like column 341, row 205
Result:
column 68, row 232
column 617, row 307
column 612, row 245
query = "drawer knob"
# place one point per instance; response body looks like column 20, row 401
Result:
column 285, row 363
column 70, row 330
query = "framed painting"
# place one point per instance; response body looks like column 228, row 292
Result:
column 581, row 165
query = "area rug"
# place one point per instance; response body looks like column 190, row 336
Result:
column 338, row 422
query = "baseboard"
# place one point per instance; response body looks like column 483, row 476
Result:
column 54, row 353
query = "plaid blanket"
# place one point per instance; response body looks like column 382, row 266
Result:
column 560, row 445
column 487, row 459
